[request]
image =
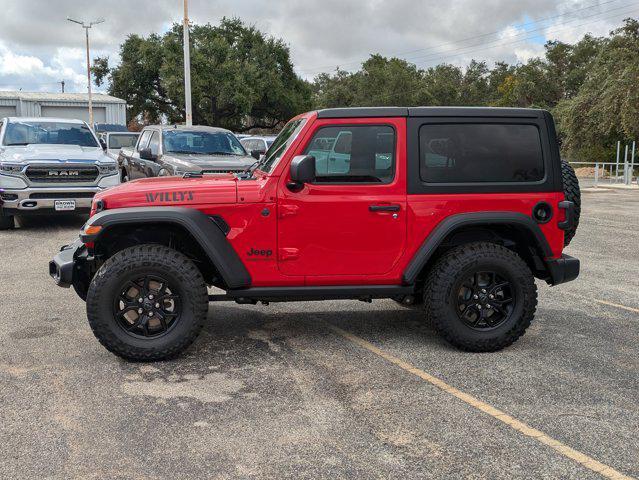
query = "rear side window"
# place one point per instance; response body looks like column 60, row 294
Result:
column 480, row 153
column 357, row 154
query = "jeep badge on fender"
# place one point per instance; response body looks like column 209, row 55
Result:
column 253, row 252
column 454, row 211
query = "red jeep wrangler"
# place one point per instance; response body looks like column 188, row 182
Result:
column 455, row 210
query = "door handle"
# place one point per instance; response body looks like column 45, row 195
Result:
column 384, row 208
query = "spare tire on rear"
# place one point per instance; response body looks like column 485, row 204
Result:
column 572, row 194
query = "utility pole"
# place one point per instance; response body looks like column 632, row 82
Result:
column 187, row 66
column 86, row 27
column 62, row 85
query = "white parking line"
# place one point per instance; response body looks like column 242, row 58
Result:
column 568, row 452
column 616, row 305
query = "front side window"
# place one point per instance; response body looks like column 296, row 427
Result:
column 122, row 141
column 480, row 153
column 144, row 140
column 360, row 154
column 202, row 143
column 43, row 132
column 154, row 143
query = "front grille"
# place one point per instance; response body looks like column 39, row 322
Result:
column 55, row 196
column 62, row 174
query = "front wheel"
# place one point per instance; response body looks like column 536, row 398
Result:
column 481, row 297
column 147, row 303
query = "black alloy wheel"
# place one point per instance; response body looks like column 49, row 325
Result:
column 147, row 306
column 485, row 300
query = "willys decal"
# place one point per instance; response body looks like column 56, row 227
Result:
column 180, row 196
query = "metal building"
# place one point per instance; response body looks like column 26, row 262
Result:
column 106, row 109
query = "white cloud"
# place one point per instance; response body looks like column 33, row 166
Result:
column 38, row 45
column 28, row 72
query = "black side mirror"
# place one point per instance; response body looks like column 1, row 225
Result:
column 103, row 144
column 256, row 154
column 145, row 154
column 302, row 171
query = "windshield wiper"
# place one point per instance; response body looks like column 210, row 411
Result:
column 17, row 144
column 222, row 153
column 251, row 166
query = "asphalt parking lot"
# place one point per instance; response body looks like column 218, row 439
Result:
column 327, row 389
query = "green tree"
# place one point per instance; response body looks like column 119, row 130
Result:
column 606, row 107
column 444, row 83
column 335, row 90
column 240, row 79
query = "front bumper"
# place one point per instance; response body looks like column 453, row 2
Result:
column 62, row 267
column 563, row 269
column 32, row 199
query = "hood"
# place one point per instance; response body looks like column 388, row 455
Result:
column 187, row 161
column 171, row 191
column 49, row 153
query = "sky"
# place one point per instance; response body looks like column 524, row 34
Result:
column 39, row 48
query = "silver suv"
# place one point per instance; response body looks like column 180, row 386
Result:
column 50, row 165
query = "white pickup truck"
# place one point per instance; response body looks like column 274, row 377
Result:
column 50, row 165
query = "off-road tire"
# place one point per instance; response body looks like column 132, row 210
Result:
column 441, row 309
column 147, row 260
column 7, row 222
column 572, row 194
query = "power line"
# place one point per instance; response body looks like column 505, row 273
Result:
column 480, row 47
column 392, row 94
column 571, row 13
column 558, row 27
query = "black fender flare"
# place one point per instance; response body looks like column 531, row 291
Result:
column 209, row 232
column 454, row 222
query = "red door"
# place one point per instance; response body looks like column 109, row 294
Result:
column 352, row 219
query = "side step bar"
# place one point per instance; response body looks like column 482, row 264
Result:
column 297, row 294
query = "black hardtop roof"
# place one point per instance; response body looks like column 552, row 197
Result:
column 356, row 112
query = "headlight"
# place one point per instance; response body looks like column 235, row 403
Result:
column 108, row 169
column 9, row 168
column 7, row 181
column 109, row 181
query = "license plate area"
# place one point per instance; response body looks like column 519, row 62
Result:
column 64, row 205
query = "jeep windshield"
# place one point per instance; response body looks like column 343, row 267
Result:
column 280, row 144
column 44, row 132
column 202, row 143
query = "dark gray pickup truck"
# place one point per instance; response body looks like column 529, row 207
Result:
column 176, row 150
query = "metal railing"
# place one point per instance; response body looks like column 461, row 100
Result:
column 617, row 172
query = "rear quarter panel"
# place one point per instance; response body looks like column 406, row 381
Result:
column 426, row 211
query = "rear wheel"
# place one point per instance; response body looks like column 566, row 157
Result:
column 481, row 297
column 147, row 303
